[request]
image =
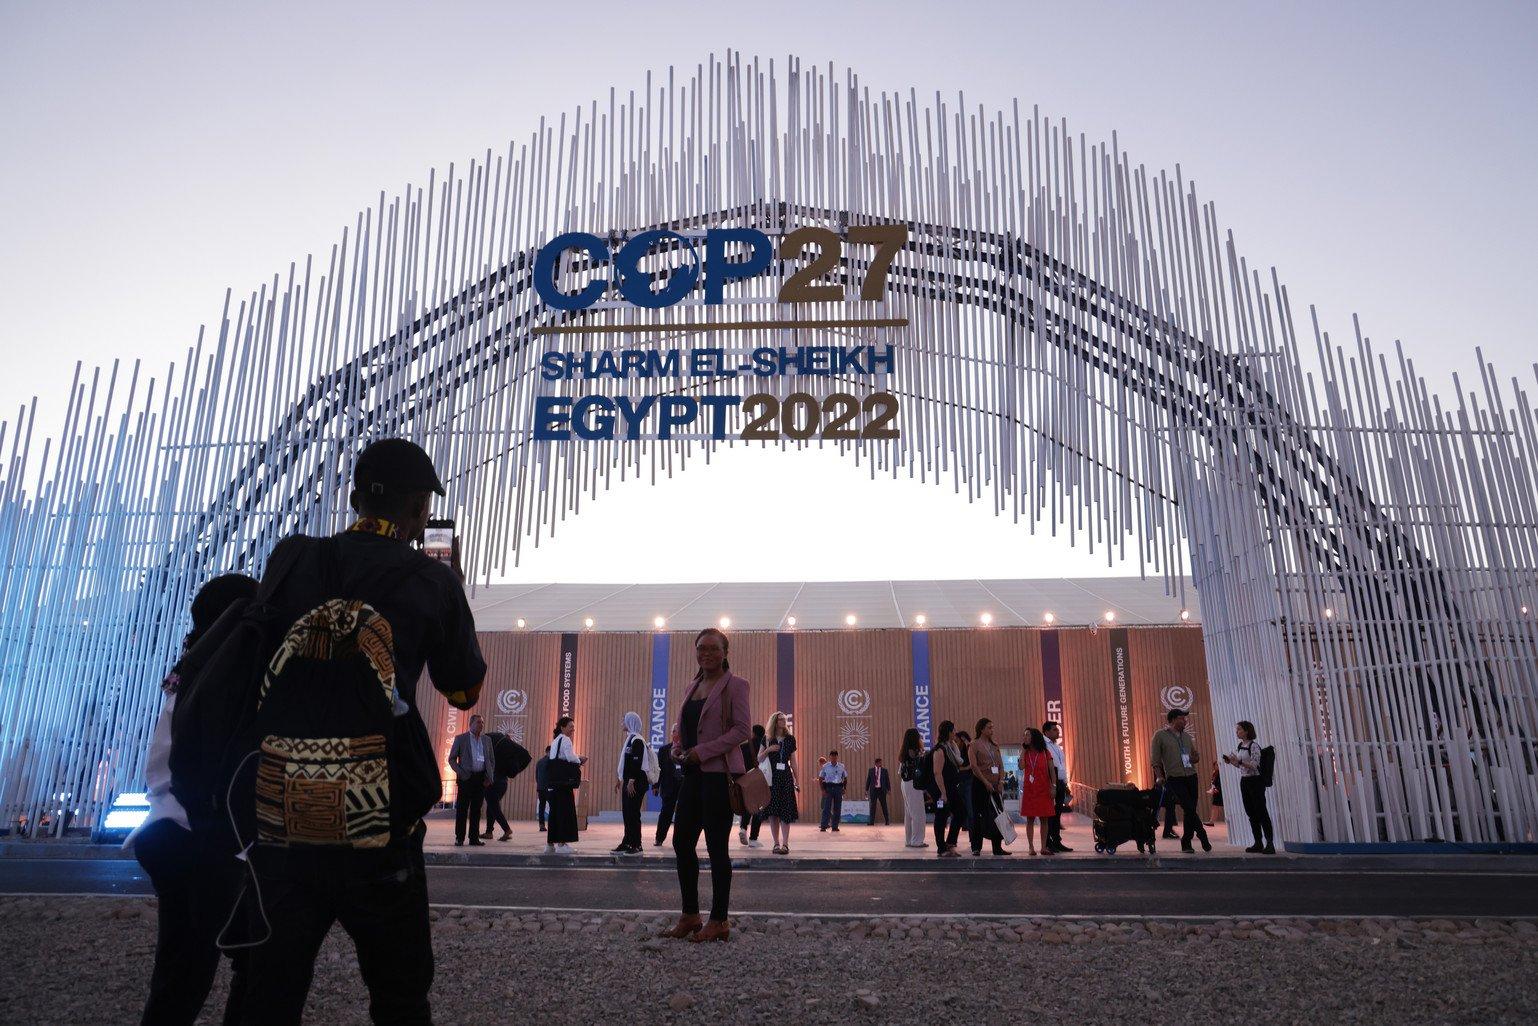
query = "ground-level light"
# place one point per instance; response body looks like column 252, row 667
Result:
column 128, row 810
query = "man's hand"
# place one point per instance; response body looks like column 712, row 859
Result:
column 630, row 788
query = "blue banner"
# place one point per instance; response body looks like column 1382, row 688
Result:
column 922, row 706
column 658, row 731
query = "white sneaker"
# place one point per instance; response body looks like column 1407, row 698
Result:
column 564, row 849
column 755, row 843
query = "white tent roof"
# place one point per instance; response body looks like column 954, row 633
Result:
column 825, row 605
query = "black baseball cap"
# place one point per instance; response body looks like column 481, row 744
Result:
column 1174, row 714
column 397, row 465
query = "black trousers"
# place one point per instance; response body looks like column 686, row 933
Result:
column 378, row 895
column 630, row 807
column 472, row 792
column 751, row 824
column 704, row 806
column 665, row 816
column 1254, row 794
column 494, row 793
column 1055, row 822
column 943, row 816
column 1183, row 791
column 542, row 805
column 961, row 812
column 879, row 796
column 197, row 889
column 982, row 827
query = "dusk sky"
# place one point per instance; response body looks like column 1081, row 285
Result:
column 1379, row 155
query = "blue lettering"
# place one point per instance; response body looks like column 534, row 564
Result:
column 552, row 417
column 636, row 285
column 719, row 270
column 600, row 425
column 547, row 264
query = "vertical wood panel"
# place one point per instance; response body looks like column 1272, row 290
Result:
column 833, row 663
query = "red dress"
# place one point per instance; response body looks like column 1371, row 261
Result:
column 1036, row 797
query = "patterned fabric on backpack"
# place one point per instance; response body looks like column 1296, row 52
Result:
column 324, row 716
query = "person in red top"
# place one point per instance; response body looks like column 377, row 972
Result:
column 1038, row 788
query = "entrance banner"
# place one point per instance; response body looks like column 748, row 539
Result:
column 1052, row 676
column 1121, row 683
column 658, row 732
column 568, row 692
column 922, row 704
column 785, row 677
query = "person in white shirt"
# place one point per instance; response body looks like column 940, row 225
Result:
column 835, row 777
column 1252, row 788
column 1053, row 732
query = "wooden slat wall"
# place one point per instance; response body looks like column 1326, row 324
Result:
column 1089, row 709
column 974, row 673
column 828, row 663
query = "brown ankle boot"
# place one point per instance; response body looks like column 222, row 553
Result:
column 686, row 925
column 713, row 931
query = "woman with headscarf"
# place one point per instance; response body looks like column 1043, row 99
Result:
column 196, row 881
column 632, row 783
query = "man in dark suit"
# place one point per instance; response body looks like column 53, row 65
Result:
column 666, row 788
column 878, row 784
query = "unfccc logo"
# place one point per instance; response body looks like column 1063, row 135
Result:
column 1176, row 696
column 854, row 702
column 512, row 702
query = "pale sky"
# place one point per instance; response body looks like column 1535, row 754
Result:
column 1380, row 155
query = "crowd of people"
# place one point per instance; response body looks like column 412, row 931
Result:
column 311, row 675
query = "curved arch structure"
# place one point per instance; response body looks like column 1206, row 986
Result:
column 1085, row 349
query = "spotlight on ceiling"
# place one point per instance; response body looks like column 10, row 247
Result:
column 1109, row 616
column 986, row 618
column 790, row 621
column 588, row 623
column 726, row 622
column 1049, row 617
column 849, row 621
column 521, row 623
column 659, row 623
column 921, row 619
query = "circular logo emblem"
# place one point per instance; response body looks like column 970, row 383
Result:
column 512, row 702
column 854, row 702
column 1176, row 696
column 854, row 735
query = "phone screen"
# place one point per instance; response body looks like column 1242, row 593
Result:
column 438, row 540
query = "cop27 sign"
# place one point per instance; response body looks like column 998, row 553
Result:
column 658, row 269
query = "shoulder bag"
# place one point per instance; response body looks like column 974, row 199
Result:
column 749, row 792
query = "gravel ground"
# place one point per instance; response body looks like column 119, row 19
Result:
column 85, row 961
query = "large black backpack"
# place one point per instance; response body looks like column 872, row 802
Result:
column 1267, row 765
column 924, row 774
column 213, row 724
column 342, row 761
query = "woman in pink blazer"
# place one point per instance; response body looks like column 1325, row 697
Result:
column 713, row 724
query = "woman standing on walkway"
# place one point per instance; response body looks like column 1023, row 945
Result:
column 632, row 783
column 781, row 812
column 713, row 724
column 961, row 816
column 1252, row 789
column 987, row 789
column 945, row 766
column 563, row 776
column 1038, row 788
column 910, row 770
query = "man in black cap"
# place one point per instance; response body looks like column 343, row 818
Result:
column 379, row 895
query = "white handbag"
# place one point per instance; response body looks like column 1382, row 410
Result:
column 1005, row 824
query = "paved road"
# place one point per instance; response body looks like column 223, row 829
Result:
column 1161, row 892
